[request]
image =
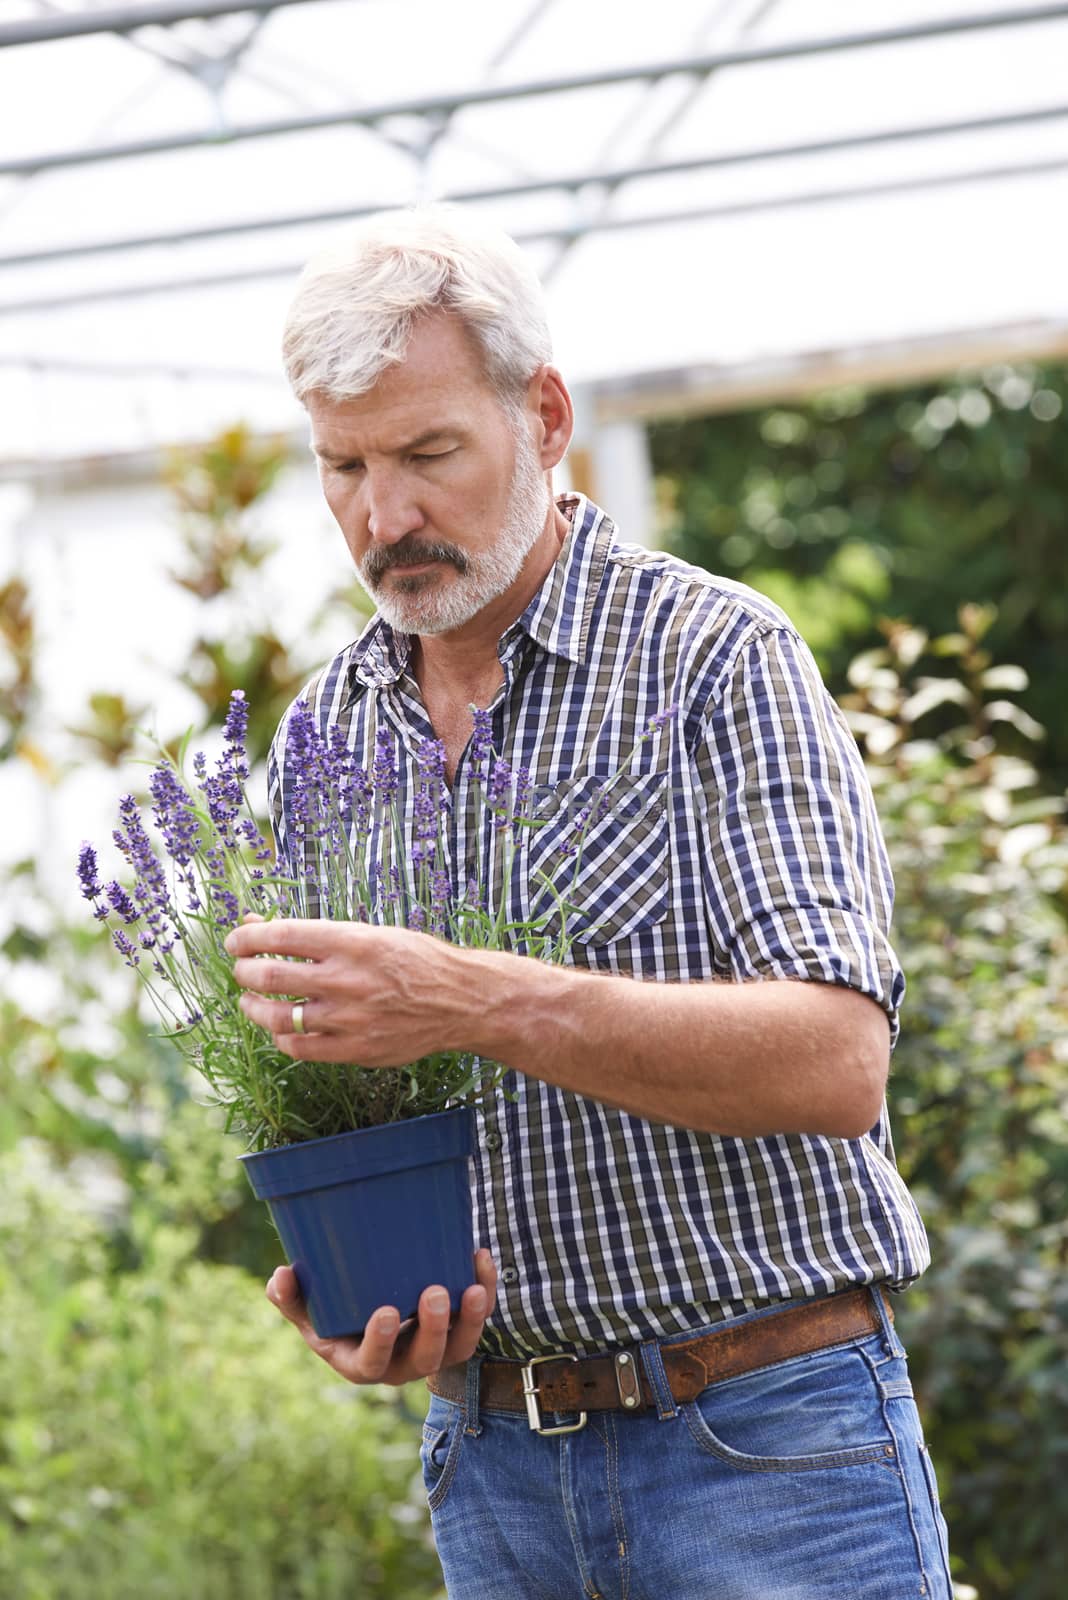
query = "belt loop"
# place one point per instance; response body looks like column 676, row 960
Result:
column 472, row 1376
column 653, row 1366
column 881, row 1305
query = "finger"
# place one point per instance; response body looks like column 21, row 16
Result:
column 253, row 916
column 311, row 937
column 277, row 1015
column 427, row 1340
column 359, row 1360
column 476, row 1305
column 274, row 977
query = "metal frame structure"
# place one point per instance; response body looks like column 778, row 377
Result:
column 126, row 19
column 590, row 189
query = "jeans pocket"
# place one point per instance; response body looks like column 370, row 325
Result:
column 810, row 1412
column 443, row 1433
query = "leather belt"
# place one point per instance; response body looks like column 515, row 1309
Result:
column 617, row 1382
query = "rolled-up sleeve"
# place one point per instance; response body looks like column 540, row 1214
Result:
column 796, row 878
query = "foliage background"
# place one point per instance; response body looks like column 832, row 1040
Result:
column 161, row 1434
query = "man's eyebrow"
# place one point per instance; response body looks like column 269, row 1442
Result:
column 431, row 436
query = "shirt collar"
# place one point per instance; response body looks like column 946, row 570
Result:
column 558, row 616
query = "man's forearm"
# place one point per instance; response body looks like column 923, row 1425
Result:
column 733, row 1058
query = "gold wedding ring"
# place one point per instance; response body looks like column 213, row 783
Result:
column 297, row 1023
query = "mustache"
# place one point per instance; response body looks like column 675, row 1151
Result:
column 408, row 553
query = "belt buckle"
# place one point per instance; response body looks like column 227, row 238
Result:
column 530, row 1395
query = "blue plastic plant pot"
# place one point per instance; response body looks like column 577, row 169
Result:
column 371, row 1218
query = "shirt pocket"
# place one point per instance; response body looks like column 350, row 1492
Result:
column 598, row 858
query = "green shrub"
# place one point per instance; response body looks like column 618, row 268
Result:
column 162, row 1433
column 979, row 1096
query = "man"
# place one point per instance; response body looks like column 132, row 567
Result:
column 685, row 1379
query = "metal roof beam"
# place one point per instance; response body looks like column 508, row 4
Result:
column 743, row 56
column 124, row 19
column 569, row 182
column 569, row 231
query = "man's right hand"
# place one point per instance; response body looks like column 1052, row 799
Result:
column 391, row 1351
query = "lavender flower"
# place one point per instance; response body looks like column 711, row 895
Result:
column 126, row 948
column 429, row 801
column 150, row 888
column 235, row 728
column 174, row 814
column 481, row 740
column 121, row 902
column 660, row 719
column 384, row 771
column 439, row 900
column 499, row 792
column 87, row 873
column 523, row 788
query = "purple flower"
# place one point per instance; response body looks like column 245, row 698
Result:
column 151, row 890
column 121, row 902
column 417, row 918
column 473, row 895
column 429, row 801
column 87, row 873
column 499, row 792
column 235, row 728
column 174, row 815
column 660, row 719
column 384, row 771
column 439, row 900
column 126, row 948
column 481, row 740
column 522, row 792
column 226, row 906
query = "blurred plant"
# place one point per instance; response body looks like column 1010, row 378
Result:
column 261, row 667
column 111, row 732
column 162, row 1435
column 214, row 487
column 18, row 689
column 979, row 1089
column 854, row 505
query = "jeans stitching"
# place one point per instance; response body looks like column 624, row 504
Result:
column 941, row 1534
column 902, row 1473
column 616, row 1501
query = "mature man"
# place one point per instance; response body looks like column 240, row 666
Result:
column 690, row 1194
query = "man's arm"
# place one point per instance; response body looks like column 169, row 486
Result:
column 732, row 1058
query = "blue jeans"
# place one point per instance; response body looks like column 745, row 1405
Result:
column 806, row 1480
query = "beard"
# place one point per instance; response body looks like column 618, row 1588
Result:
column 422, row 603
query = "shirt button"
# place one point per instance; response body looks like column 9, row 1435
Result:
column 493, row 1141
column 509, row 1274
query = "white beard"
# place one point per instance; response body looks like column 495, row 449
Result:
column 425, row 604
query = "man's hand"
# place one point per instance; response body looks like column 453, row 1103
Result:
column 377, row 996
column 392, row 1352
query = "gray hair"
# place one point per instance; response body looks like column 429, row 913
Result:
column 355, row 303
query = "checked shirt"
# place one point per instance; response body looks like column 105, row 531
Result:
column 741, row 844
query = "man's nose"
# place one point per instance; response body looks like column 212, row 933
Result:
column 392, row 508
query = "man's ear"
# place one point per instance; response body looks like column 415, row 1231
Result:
column 549, row 400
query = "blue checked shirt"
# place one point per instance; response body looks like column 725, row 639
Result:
column 742, row 844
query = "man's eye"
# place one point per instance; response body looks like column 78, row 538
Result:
column 431, row 455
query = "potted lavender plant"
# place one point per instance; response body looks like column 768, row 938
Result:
column 365, row 1172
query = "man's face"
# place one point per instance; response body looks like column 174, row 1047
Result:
column 435, row 485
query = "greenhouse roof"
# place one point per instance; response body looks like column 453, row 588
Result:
column 710, row 190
